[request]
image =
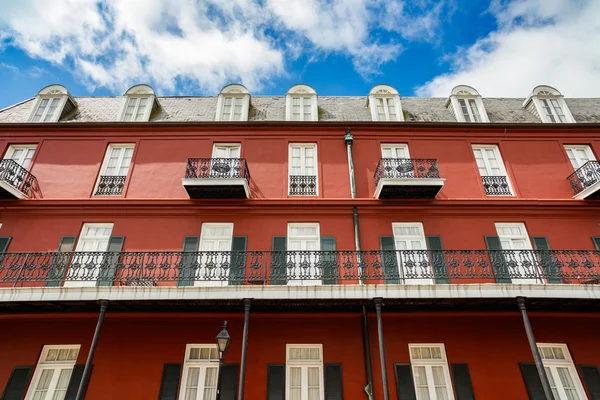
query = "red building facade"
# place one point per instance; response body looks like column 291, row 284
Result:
column 357, row 246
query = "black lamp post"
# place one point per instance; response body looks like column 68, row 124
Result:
column 223, row 340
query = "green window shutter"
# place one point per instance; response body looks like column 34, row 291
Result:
column 591, row 380
column 334, row 390
column 17, row 383
column 61, row 261
column 405, row 387
column 329, row 265
column 391, row 274
column 75, row 381
column 4, row 242
column 109, row 266
column 438, row 259
column 547, row 261
column 279, row 261
column 461, row 377
column 169, row 385
column 596, row 240
column 189, row 262
column 229, row 381
column 237, row 271
column 276, row 382
column 501, row 271
column 532, row 381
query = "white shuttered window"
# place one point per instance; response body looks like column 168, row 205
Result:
column 304, row 372
column 117, row 160
column 561, row 373
column 303, row 159
column 53, row 373
column 579, row 154
column 430, row 372
column 200, row 372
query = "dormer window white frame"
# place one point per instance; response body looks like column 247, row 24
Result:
column 51, row 103
column 301, row 104
column 549, row 105
column 384, row 104
column 233, row 103
column 140, row 101
column 466, row 105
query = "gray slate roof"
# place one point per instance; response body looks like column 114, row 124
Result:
column 272, row 108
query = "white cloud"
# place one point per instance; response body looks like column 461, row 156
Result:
column 551, row 42
column 206, row 43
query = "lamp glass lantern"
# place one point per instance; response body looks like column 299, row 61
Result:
column 223, row 340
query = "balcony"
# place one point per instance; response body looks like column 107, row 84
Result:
column 15, row 181
column 217, row 178
column 585, row 182
column 496, row 185
column 404, row 178
column 303, row 185
column 153, row 269
column 110, row 185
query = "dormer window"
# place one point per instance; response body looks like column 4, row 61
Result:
column 51, row 103
column 548, row 105
column 139, row 104
column 301, row 104
column 233, row 103
column 384, row 103
column 466, row 105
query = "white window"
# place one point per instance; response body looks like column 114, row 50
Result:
column 301, row 104
column 409, row 241
column 53, row 373
column 384, row 103
column 47, row 110
column 21, row 154
column 552, row 110
column 303, row 169
column 117, row 160
column 92, row 243
column 513, row 236
column 489, row 160
column 430, row 372
column 215, row 257
column 561, row 372
column 50, row 103
column 139, row 103
column 469, row 110
column 233, row 103
column 466, row 105
column 223, row 150
column 303, row 241
column 232, row 108
column 579, row 155
column 395, row 151
column 548, row 104
column 304, row 372
column 200, row 372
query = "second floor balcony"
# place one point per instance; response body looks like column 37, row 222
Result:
column 406, row 178
column 15, row 181
column 585, row 181
column 217, row 178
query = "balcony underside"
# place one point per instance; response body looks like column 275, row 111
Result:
column 408, row 188
column 217, row 188
column 7, row 191
column 590, row 193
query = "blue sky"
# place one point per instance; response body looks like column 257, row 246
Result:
column 340, row 47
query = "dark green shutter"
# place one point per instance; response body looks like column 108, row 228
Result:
column 17, row 383
column 75, row 381
column 275, row 382
column 334, row 390
column 279, row 261
column 169, row 385
column 549, row 268
column 499, row 265
column 229, row 381
column 329, row 265
column 389, row 260
column 61, row 261
column 405, row 387
column 596, row 240
column 461, row 377
column 438, row 259
column 110, row 264
column 189, row 262
column 532, row 381
column 591, row 380
column 237, row 273
column 4, row 241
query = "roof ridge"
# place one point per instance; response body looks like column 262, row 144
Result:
column 16, row 105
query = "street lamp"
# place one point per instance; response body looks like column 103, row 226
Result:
column 223, row 340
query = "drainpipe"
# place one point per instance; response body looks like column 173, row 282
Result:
column 384, row 377
column 247, row 303
column 88, row 364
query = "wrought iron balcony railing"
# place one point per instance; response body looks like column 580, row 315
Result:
column 17, row 177
column 496, row 185
column 217, row 168
column 110, row 185
column 303, row 185
column 585, row 176
column 406, row 168
column 299, row 267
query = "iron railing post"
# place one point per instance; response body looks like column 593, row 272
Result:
column 88, row 364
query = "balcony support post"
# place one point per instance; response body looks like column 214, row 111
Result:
column 386, row 394
column 88, row 364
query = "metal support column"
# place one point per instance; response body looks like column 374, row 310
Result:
column 384, row 377
column 534, row 350
column 88, row 364
column 247, row 303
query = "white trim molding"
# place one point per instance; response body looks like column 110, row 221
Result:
column 548, row 104
column 232, row 96
column 307, row 97
column 466, row 105
column 385, row 104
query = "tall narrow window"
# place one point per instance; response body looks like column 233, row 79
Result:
column 200, row 372
column 46, row 110
column 89, row 258
column 136, row 109
column 21, row 154
column 301, row 104
column 53, row 373
column 304, row 372
column 549, row 105
column 561, row 372
column 553, row 110
column 114, row 169
column 409, row 240
column 301, row 108
column 430, row 372
column 215, row 258
column 469, row 110
column 303, row 169
column 233, row 103
column 467, row 105
column 492, row 171
column 385, row 104
column 579, row 155
column 303, row 242
column 516, row 246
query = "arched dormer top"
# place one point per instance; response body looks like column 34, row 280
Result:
column 384, row 104
column 302, row 89
column 383, row 90
column 466, row 104
column 464, row 90
column 51, row 104
column 301, row 104
column 545, row 91
column 548, row 104
column 140, row 90
column 54, row 90
column 233, row 103
column 234, row 88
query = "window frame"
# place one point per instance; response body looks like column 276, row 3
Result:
column 304, row 364
column 137, row 99
column 498, row 155
column 187, row 364
column 226, row 145
column 62, row 99
column 385, row 93
column 106, row 160
column 395, row 146
column 301, row 91
column 466, row 93
column 534, row 105
column 233, row 90
column 567, row 363
column 585, row 147
column 431, row 363
column 316, row 166
column 26, row 147
column 523, row 236
column 56, row 366
column 82, row 259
